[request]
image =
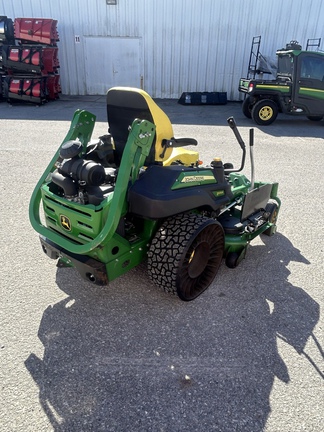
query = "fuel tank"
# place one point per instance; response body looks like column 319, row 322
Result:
column 164, row 191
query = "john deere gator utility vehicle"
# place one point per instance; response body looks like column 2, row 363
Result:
column 298, row 88
column 137, row 194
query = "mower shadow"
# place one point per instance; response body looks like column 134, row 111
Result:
column 132, row 358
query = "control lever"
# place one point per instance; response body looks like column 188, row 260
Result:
column 239, row 139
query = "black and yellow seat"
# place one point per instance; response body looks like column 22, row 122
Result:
column 124, row 104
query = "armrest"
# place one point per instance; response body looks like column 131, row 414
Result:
column 177, row 142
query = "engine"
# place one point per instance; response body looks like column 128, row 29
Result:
column 85, row 179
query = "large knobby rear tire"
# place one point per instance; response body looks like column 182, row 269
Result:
column 265, row 112
column 185, row 254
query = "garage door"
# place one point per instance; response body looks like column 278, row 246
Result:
column 112, row 61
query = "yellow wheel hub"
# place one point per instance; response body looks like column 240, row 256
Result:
column 266, row 113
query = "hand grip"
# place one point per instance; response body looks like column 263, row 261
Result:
column 232, row 124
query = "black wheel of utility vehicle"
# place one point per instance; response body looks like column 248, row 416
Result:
column 247, row 107
column 315, row 118
column 265, row 112
column 185, row 254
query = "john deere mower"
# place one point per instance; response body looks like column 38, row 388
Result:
column 137, row 194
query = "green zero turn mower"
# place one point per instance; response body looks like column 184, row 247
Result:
column 137, row 194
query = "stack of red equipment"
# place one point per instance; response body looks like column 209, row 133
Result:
column 31, row 58
column 38, row 30
column 30, row 65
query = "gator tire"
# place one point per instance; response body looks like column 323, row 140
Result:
column 185, row 255
column 247, row 107
column 265, row 112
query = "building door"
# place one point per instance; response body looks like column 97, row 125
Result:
column 112, row 61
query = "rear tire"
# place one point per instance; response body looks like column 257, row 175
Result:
column 247, row 107
column 185, row 255
column 265, row 112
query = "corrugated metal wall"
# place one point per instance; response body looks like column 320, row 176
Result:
column 184, row 45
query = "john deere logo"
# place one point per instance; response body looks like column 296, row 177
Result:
column 65, row 222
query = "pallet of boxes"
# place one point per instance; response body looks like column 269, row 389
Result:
column 29, row 64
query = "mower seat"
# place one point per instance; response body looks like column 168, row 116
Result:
column 124, row 104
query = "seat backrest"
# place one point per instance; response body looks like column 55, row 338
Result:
column 124, row 104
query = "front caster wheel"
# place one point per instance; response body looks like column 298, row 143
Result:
column 185, row 254
column 272, row 208
column 232, row 260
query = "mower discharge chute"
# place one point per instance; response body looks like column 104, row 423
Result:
column 137, row 194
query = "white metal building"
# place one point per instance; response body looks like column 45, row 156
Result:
column 167, row 46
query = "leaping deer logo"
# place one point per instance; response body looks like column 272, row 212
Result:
column 65, row 222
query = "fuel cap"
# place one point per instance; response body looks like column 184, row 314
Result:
column 70, row 149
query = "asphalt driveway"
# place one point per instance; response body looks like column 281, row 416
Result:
column 247, row 355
